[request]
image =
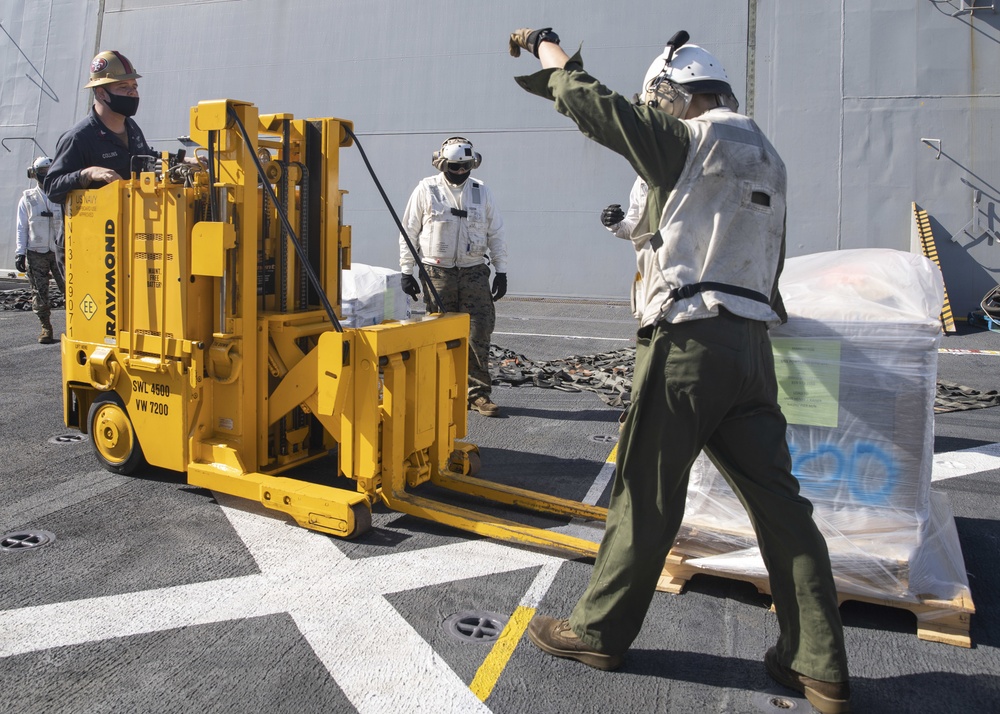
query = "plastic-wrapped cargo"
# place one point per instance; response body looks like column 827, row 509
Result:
column 370, row 295
column 857, row 368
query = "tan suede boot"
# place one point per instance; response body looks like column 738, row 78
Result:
column 46, row 337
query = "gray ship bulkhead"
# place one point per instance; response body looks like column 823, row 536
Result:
column 857, row 99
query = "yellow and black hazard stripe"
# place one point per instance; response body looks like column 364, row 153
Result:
column 929, row 249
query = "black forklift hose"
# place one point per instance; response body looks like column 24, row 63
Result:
column 303, row 258
column 399, row 224
column 212, row 208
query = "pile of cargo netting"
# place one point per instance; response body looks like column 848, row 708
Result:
column 608, row 374
column 20, row 298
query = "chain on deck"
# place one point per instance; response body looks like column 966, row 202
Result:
column 609, row 375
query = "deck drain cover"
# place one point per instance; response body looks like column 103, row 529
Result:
column 474, row 626
column 25, row 540
column 604, row 438
column 776, row 701
column 67, row 439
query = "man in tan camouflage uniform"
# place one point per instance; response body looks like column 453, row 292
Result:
column 452, row 222
column 39, row 245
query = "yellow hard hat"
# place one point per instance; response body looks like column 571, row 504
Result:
column 109, row 67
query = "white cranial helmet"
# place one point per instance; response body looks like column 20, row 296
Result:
column 678, row 73
column 39, row 167
column 456, row 149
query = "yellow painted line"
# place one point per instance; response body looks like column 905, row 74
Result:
column 491, row 669
column 493, row 666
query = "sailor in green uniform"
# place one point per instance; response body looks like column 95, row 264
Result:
column 709, row 247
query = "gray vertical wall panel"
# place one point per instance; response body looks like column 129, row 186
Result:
column 913, row 71
column 798, row 105
column 41, row 50
column 845, row 90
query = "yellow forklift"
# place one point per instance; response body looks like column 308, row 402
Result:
column 204, row 335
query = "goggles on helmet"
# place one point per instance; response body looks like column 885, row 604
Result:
column 456, row 151
column 39, row 167
column 664, row 94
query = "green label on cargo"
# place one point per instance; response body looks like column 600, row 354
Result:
column 808, row 374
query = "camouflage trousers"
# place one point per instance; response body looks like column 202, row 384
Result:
column 40, row 267
column 468, row 290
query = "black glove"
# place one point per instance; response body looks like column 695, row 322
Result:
column 499, row 286
column 409, row 285
column 530, row 39
column 21, row 263
column 612, row 215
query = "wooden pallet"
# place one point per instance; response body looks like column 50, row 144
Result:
column 945, row 621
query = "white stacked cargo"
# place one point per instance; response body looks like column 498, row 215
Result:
column 371, row 295
column 857, row 368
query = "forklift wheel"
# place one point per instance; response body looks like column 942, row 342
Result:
column 362, row 520
column 113, row 436
column 458, row 462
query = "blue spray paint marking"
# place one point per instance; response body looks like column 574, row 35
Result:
column 862, row 472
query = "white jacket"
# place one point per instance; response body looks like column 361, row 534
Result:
column 623, row 229
column 37, row 232
column 723, row 223
column 446, row 238
column 636, row 205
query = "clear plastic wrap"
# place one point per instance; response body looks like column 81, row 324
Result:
column 370, row 295
column 857, row 369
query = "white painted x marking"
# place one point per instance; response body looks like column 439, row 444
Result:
column 372, row 653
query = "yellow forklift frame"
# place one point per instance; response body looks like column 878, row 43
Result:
column 203, row 335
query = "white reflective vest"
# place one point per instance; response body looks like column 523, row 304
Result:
column 39, row 223
column 452, row 229
column 722, row 224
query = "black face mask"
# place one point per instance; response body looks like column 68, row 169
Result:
column 126, row 106
column 456, row 179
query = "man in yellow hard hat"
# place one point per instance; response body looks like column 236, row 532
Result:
column 101, row 147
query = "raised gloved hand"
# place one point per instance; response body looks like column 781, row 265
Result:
column 410, row 286
column 612, row 215
column 499, row 286
column 21, row 263
column 530, row 40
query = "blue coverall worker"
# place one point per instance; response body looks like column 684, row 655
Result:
column 103, row 146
